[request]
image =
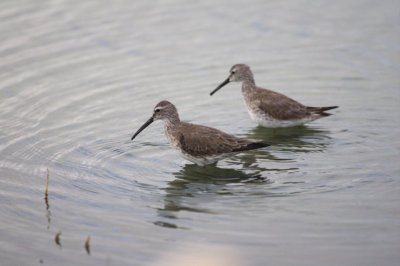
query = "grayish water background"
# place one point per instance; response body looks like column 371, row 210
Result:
column 77, row 78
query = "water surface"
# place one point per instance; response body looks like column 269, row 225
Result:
column 77, row 79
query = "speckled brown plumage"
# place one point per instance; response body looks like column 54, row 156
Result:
column 200, row 144
column 282, row 107
column 270, row 108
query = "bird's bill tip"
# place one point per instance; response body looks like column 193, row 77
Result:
column 148, row 122
column 220, row 86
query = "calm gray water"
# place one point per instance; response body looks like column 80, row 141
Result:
column 77, row 79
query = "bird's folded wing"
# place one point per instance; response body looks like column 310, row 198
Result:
column 205, row 141
column 281, row 107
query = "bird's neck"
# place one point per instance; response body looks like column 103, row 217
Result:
column 248, row 86
column 171, row 122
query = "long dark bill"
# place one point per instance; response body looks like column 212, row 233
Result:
column 143, row 127
column 220, row 86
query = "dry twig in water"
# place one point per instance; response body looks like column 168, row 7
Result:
column 57, row 238
column 87, row 247
column 47, row 183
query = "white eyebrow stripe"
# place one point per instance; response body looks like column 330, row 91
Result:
column 159, row 108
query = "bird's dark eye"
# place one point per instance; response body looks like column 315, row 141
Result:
column 157, row 110
column 233, row 72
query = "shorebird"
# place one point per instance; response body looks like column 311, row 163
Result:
column 269, row 108
column 199, row 144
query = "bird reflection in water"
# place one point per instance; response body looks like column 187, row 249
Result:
column 295, row 139
column 286, row 143
column 195, row 185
